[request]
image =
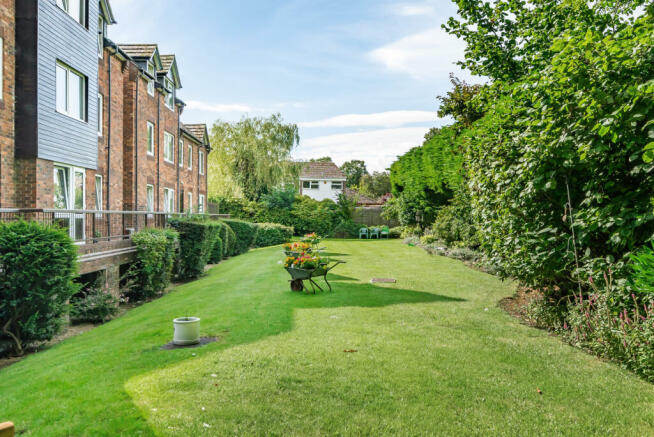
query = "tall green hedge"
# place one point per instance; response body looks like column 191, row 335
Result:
column 196, row 242
column 245, row 235
column 38, row 264
column 217, row 250
column 150, row 273
column 271, row 234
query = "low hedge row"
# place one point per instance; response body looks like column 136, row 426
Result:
column 272, row 234
column 245, row 235
column 197, row 238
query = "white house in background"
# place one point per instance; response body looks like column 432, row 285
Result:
column 322, row 180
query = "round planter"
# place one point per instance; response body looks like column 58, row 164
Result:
column 187, row 330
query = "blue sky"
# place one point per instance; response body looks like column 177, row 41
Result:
column 359, row 77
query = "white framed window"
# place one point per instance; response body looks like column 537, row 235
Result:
column 150, row 138
column 150, row 69
column 180, row 152
column 337, row 185
column 201, row 204
column 98, row 192
column 201, row 161
column 169, row 200
column 310, row 185
column 74, row 8
column 170, row 94
column 149, row 197
column 190, row 157
column 100, row 37
column 69, row 187
column 70, row 92
column 190, row 202
column 169, row 147
column 100, row 113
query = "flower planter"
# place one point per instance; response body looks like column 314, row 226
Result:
column 187, row 331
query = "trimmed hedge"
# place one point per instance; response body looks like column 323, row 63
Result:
column 39, row 263
column 272, row 234
column 155, row 257
column 196, row 242
column 217, row 251
column 245, row 235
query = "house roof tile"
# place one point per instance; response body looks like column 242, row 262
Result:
column 321, row 170
column 138, row 50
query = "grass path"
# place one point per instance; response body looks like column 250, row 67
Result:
column 434, row 356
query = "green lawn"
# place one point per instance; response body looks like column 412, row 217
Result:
column 435, row 355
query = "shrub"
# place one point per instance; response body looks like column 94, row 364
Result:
column 36, row 280
column 230, row 246
column 347, row 229
column 395, row 232
column 150, row 274
column 245, row 235
column 196, row 242
column 94, row 305
column 272, row 234
column 217, row 250
column 428, row 239
column 642, row 275
column 454, row 223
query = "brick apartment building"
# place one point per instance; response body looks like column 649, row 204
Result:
column 88, row 124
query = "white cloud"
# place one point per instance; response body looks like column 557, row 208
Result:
column 378, row 148
column 414, row 9
column 426, row 56
column 218, row 107
column 379, row 119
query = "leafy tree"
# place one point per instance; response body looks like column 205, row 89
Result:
column 252, row 155
column 323, row 159
column 460, row 103
column 354, row 171
column 376, row 184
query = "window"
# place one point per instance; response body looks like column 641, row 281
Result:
column 337, row 185
column 201, row 161
column 151, row 79
column 68, row 193
column 170, row 94
column 74, row 8
column 310, row 185
column 169, row 147
column 149, row 197
column 190, row 202
column 98, row 192
column 100, row 113
column 71, row 92
column 180, row 152
column 150, row 138
column 100, row 37
column 169, row 200
column 190, row 157
column 201, row 204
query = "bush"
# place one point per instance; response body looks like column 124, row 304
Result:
column 217, row 250
column 36, row 280
column 454, row 223
column 94, row 305
column 395, row 232
column 642, row 271
column 347, row 229
column 150, row 274
column 196, row 242
column 272, row 234
column 245, row 235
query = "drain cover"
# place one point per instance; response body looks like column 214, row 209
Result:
column 383, row 281
column 203, row 341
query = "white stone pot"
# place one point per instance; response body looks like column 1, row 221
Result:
column 187, row 331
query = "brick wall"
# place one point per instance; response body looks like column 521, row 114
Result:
column 7, row 146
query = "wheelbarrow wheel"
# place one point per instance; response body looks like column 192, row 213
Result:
column 297, row 285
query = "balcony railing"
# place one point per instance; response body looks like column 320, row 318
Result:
column 89, row 227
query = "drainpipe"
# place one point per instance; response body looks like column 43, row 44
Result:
column 136, row 143
column 179, row 138
column 108, row 134
column 158, row 147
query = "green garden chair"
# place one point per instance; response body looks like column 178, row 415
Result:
column 385, row 232
column 374, row 232
column 363, row 233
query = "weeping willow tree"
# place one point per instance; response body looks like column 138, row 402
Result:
column 251, row 156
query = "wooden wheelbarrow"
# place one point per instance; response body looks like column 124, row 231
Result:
column 298, row 276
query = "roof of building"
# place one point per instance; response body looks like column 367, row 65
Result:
column 107, row 13
column 321, row 170
column 139, row 50
column 199, row 132
column 167, row 62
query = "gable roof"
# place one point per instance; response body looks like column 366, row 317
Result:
column 321, row 170
column 139, row 50
column 106, row 12
column 199, row 132
column 169, row 63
